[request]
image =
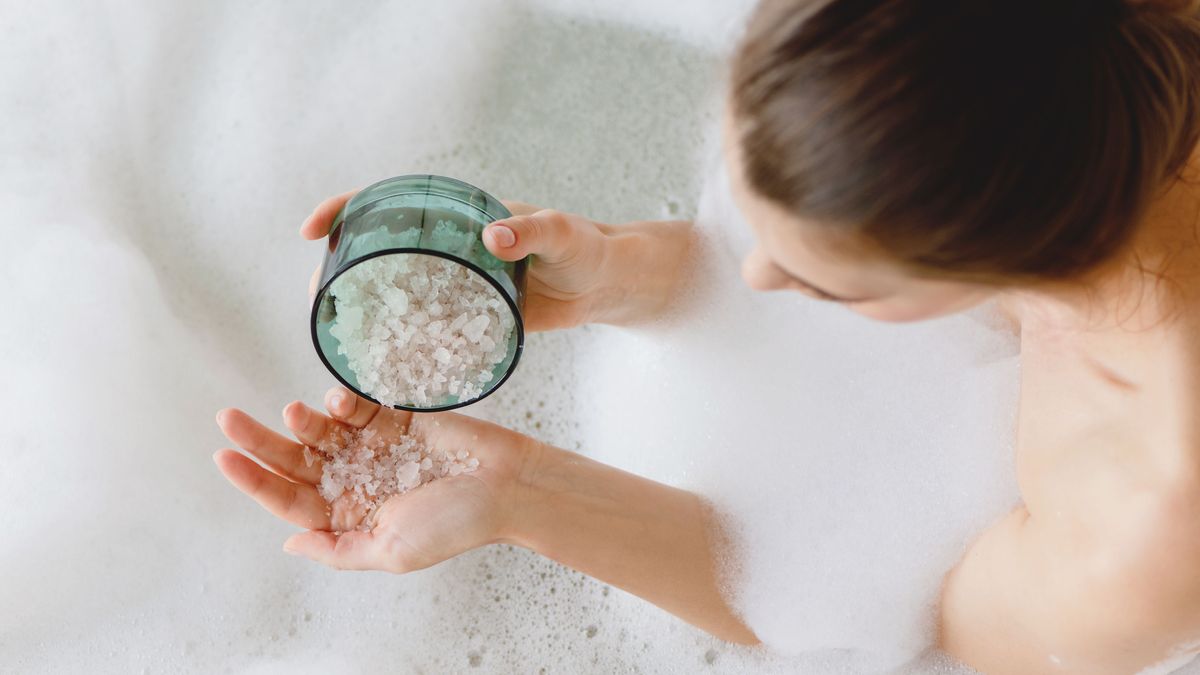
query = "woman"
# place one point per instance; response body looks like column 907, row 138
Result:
column 907, row 158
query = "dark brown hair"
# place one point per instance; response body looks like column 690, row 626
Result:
column 987, row 139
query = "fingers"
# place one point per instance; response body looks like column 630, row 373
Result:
column 346, row 407
column 309, row 426
column 321, row 219
column 547, row 234
column 346, row 551
column 297, row 504
column 283, row 456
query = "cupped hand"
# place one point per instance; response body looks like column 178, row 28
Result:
column 419, row 528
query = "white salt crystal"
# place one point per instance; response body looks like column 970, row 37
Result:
column 475, row 327
column 367, row 470
column 408, row 475
column 397, row 300
column 420, row 330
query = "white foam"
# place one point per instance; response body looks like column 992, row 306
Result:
column 157, row 158
column 853, row 460
column 712, row 24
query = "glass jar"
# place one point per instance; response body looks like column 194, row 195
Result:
column 417, row 215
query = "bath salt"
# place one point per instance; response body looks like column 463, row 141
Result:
column 367, row 469
column 420, row 330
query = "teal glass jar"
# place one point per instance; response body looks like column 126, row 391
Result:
column 407, row 216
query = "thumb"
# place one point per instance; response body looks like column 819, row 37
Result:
column 547, row 234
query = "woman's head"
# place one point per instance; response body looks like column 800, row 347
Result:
column 915, row 154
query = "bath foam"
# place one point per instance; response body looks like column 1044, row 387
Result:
column 364, row 470
column 851, row 461
column 419, row 329
column 713, row 24
column 183, row 573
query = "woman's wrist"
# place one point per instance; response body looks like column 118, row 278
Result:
column 522, row 493
column 643, row 267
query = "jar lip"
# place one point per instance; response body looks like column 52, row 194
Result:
column 519, row 325
column 431, row 178
column 429, row 183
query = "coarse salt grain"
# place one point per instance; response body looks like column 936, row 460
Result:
column 361, row 466
column 420, row 330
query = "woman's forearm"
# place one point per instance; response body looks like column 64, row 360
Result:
column 650, row 539
column 644, row 265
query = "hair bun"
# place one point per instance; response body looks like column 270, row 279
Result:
column 1174, row 7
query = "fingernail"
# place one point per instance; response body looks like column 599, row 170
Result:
column 220, row 416
column 503, row 235
column 337, row 400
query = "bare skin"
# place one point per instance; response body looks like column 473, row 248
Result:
column 1097, row 571
column 1094, row 573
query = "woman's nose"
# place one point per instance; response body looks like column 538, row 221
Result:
column 760, row 273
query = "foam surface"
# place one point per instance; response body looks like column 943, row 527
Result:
column 155, row 162
column 853, row 460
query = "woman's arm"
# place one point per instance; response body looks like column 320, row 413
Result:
column 1100, row 580
column 652, row 540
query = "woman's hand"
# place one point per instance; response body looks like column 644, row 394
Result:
column 582, row 271
column 411, row 531
column 653, row 540
column 588, row 272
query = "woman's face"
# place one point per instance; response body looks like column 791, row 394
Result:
column 792, row 254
